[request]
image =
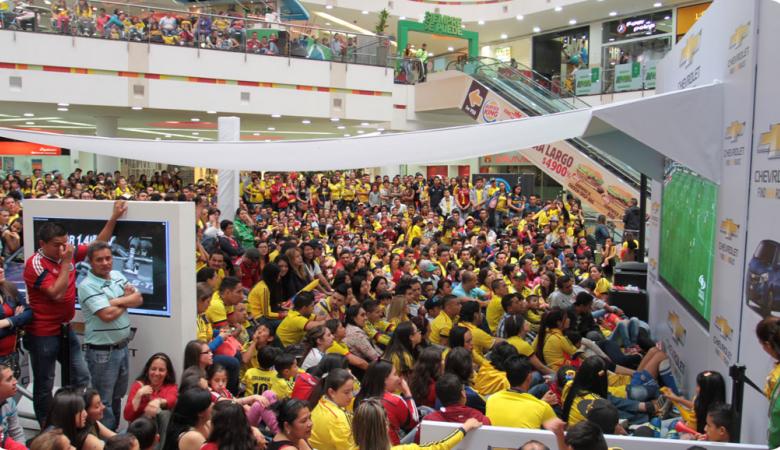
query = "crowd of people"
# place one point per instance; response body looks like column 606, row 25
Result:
column 338, row 311
column 229, row 29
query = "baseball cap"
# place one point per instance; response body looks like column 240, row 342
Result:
column 426, row 266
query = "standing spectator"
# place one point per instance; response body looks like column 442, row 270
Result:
column 104, row 296
column 632, row 218
column 51, row 286
column 436, row 193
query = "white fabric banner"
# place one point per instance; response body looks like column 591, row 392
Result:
column 228, row 187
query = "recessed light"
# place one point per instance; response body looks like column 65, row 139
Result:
column 211, row 112
column 611, row 39
column 537, row 29
column 137, row 108
column 667, row 17
column 573, row 22
column 558, row 8
column 305, row 121
column 267, row 140
column 156, row 139
column 29, row 115
column 360, row 132
column 364, row 12
column 334, row 119
column 327, row 24
column 29, row 123
column 195, row 133
column 480, row 22
column 64, row 105
column 380, row 129
column 463, row 25
column 519, row 17
column 504, row 36
column 363, row 124
column 347, row 135
column 168, row 136
column 341, row 127
column 450, row 49
column 201, row 140
column 255, row 134
column 271, row 129
column 402, row 18
column 276, row 116
column 62, row 109
column 194, row 119
column 657, row 5
column 328, row 6
column 613, row 13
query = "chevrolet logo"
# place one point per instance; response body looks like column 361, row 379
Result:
column 690, row 49
column 723, row 326
column 475, row 99
column 739, row 35
column 677, row 328
column 770, row 141
column 729, row 228
column 734, row 131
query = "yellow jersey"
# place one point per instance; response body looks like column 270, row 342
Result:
column 440, row 328
column 504, row 410
column 494, row 313
column 292, row 329
column 332, row 428
column 523, row 347
column 490, row 380
column 479, row 338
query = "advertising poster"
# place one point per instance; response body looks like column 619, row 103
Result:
column 475, row 98
column 140, row 251
column 482, row 105
column 628, row 77
column 587, row 81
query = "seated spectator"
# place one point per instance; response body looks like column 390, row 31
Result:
column 503, row 406
column 190, row 421
column 68, row 413
column 293, row 327
column 145, row 430
column 230, row 429
column 452, row 395
column 154, row 390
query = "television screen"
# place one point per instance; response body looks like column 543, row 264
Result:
column 688, row 219
column 141, row 254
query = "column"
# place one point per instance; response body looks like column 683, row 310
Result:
column 106, row 127
column 228, row 191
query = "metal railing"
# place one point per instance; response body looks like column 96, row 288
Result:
column 152, row 25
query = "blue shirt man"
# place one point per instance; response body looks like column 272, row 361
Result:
column 104, row 296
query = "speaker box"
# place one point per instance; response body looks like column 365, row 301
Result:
column 634, row 304
column 631, row 273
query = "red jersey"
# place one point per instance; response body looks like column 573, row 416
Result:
column 41, row 272
column 454, row 414
column 401, row 413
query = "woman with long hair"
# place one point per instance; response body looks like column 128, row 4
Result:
column 154, row 390
column 608, row 256
column 378, row 286
column 382, row 381
column 361, row 288
column 710, row 390
column 95, row 409
column 230, row 429
column 402, row 350
column 553, row 348
column 459, row 362
column 266, row 297
column 68, row 413
column 370, row 425
column 546, row 285
column 295, row 426
column 317, row 341
column 297, row 278
column 308, row 385
column 197, row 353
column 331, row 429
column 422, row 380
column 356, row 338
column 190, row 421
column 397, row 310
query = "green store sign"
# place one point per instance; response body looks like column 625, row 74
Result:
column 587, row 81
column 441, row 24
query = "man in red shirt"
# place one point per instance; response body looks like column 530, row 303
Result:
column 51, row 290
column 449, row 391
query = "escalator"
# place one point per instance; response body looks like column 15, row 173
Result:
column 602, row 182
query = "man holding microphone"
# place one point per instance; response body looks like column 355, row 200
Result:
column 51, row 289
column 104, row 296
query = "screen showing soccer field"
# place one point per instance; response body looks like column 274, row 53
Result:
column 688, row 219
column 140, row 252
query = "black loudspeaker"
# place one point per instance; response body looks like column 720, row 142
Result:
column 631, row 273
column 633, row 303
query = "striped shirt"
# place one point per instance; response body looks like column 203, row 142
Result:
column 95, row 293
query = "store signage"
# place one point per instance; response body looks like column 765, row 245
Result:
column 637, row 26
column 587, row 81
column 441, row 24
column 28, row 149
column 628, row 77
column 475, row 97
column 504, row 159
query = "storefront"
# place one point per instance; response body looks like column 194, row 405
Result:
column 556, row 56
column 518, row 169
column 686, row 16
column 28, row 156
column 631, row 47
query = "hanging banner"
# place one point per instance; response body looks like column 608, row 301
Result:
column 587, row 81
column 628, row 77
column 484, row 106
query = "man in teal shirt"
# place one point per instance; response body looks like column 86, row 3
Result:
column 104, row 296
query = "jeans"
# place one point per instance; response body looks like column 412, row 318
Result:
column 109, row 371
column 626, row 332
column 45, row 351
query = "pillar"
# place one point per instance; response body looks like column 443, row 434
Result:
column 228, row 190
column 106, row 127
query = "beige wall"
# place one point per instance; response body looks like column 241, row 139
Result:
column 521, row 50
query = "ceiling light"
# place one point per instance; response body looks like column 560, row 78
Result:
column 463, row 25
column 156, row 139
column 276, row 116
column 29, row 123
column 305, row 121
column 271, row 129
column 364, row 12
column 657, row 5
column 402, row 18
column 327, row 24
column 328, row 6
column 450, row 49
column 137, row 108
column 344, row 23
column 380, row 129
column 573, row 22
column 480, row 22
column 347, row 135
column 267, row 140
column 201, row 140
column 341, row 127
column 504, row 36
column 334, row 119
column 537, row 29
column 62, row 109
column 611, row 39
column 519, row 17
column 195, row 133
column 255, row 134
column 613, row 13
column 558, row 8
column 168, row 136
column 211, row 112
column 364, row 124
column 194, row 119
column 667, row 17
column 65, row 105
column 360, row 131
column 29, row 115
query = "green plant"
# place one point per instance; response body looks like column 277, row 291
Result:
column 381, row 25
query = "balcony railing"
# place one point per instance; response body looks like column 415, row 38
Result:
column 231, row 33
